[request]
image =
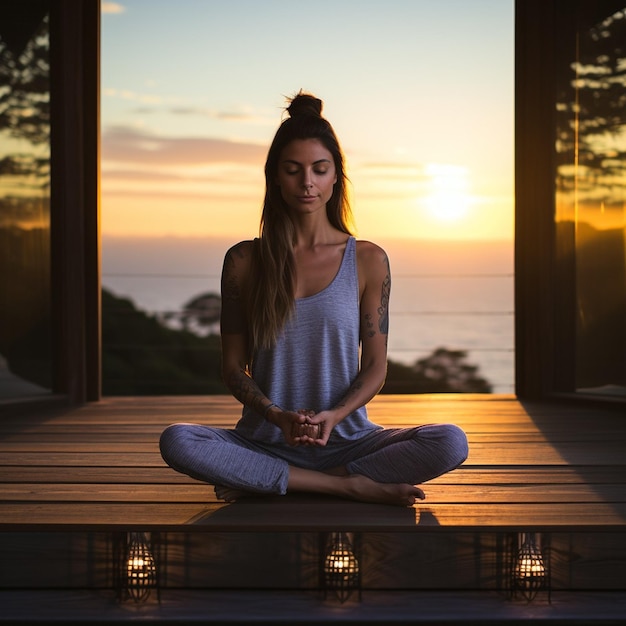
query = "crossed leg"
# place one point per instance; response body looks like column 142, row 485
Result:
column 338, row 483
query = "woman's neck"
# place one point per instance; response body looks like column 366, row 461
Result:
column 312, row 233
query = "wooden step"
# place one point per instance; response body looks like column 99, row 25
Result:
column 310, row 609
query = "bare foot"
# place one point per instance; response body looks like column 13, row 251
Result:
column 231, row 495
column 365, row 489
column 352, row 486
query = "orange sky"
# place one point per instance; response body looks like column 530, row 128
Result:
column 425, row 119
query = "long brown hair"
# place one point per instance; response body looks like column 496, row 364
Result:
column 272, row 289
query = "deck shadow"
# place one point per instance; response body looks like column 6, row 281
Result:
column 302, row 512
column 588, row 438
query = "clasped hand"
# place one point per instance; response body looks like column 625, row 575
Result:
column 304, row 427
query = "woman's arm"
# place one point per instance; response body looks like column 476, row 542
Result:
column 235, row 346
column 233, row 327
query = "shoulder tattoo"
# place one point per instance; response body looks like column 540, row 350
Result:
column 230, row 281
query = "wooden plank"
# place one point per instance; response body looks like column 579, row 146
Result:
column 40, row 447
column 503, row 454
column 478, row 408
column 107, row 492
column 553, row 431
column 465, row 475
column 534, row 475
column 157, row 420
column 546, row 454
column 202, row 493
column 297, row 515
column 17, row 440
column 85, row 459
column 153, row 410
column 45, row 475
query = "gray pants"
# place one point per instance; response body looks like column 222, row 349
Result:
column 393, row 455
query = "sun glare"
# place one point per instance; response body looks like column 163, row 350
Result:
column 448, row 198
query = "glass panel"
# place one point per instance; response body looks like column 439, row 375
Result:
column 427, row 184
column 25, row 359
column 591, row 198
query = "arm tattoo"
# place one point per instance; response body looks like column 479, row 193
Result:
column 354, row 387
column 383, row 309
column 232, row 317
column 230, row 288
column 246, row 391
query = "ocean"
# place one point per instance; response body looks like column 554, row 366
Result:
column 457, row 295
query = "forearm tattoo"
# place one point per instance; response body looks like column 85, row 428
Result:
column 247, row 391
column 356, row 386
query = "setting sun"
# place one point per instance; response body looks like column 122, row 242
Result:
column 447, row 198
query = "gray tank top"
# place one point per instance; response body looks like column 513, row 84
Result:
column 315, row 359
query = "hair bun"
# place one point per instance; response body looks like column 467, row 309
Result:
column 304, row 104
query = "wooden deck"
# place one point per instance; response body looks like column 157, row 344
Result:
column 74, row 481
column 549, row 467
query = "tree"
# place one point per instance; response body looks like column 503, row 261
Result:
column 443, row 371
column 24, row 190
column 591, row 114
column 142, row 357
column 591, row 195
column 25, row 103
column 202, row 313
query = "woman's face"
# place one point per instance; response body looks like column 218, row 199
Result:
column 306, row 175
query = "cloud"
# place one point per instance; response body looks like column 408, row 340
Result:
column 230, row 116
column 133, row 96
column 224, row 116
column 160, row 175
column 160, row 194
column 171, row 105
column 141, row 175
column 112, row 7
column 128, row 145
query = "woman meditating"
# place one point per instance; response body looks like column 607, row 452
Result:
column 304, row 329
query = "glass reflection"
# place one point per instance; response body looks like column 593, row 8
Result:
column 591, row 199
column 25, row 361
